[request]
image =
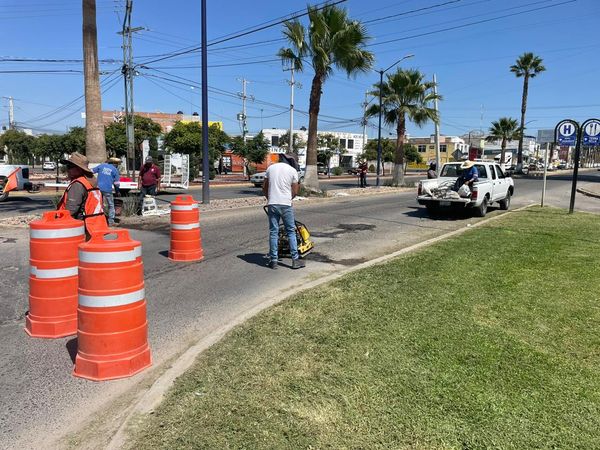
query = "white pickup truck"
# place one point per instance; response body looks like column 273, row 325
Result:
column 494, row 186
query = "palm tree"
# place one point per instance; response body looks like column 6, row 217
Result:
column 332, row 40
column 94, row 128
column 505, row 129
column 405, row 96
column 527, row 66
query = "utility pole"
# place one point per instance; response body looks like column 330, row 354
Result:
column 292, row 82
column 242, row 117
column 364, row 120
column 11, row 114
column 205, row 153
column 128, row 73
column 437, row 129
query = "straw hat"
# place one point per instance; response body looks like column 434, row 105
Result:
column 114, row 160
column 467, row 164
column 79, row 160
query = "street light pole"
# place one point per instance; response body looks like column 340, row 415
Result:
column 205, row 162
column 379, row 129
column 381, row 72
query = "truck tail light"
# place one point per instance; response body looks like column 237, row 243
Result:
column 420, row 191
column 474, row 194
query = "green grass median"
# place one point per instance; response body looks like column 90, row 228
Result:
column 487, row 340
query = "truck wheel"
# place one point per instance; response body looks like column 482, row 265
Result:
column 482, row 210
column 505, row 204
column 3, row 195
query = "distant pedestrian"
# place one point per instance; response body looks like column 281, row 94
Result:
column 280, row 186
column 108, row 176
column 148, row 180
column 363, row 168
column 431, row 173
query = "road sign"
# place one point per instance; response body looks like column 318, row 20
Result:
column 591, row 132
column 566, row 133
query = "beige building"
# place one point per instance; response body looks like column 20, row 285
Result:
column 452, row 148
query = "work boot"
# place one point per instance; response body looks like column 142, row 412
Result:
column 273, row 265
column 298, row 264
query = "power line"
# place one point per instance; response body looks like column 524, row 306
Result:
column 478, row 22
column 410, row 12
column 245, row 33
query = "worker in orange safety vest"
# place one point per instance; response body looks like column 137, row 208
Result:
column 82, row 198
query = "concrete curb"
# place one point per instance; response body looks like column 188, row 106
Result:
column 588, row 193
column 154, row 396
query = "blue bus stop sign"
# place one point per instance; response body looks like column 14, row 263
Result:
column 566, row 134
column 591, row 132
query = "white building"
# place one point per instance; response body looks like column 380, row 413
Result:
column 351, row 145
column 530, row 148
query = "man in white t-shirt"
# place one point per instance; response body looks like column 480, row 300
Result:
column 281, row 185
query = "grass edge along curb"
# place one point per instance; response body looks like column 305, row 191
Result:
column 156, row 393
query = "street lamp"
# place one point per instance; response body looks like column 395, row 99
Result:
column 381, row 72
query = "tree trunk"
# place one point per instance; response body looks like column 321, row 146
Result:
column 503, row 151
column 311, row 178
column 398, row 174
column 94, row 128
column 523, row 110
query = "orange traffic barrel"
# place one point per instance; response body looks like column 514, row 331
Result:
column 112, row 332
column 186, row 241
column 53, row 261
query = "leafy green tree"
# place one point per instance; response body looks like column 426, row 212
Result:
column 527, row 66
column 144, row 129
column 19, row 146
column 505, row 129
column 253, row 151
column 332, row 40
column 50, row 146
column 388, row 148
column 296, row 145
column 74, row 140
column 405, row 96
column 412, row 155
column 329, row 145
column 187, row 138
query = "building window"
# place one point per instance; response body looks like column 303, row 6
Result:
column 443, row 148
column 343, row 143
column 350, row 144
column 422, row 148
column 275, row 141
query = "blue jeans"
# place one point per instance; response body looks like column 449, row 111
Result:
column 110, row 200
column 285, row 213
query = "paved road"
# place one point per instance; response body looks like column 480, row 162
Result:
column 23, row 203
column 41, row 400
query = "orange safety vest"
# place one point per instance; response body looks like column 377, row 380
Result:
column 92, row 208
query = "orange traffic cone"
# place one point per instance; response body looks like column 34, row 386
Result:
column 186, row 241
column 112, row 333
column 53, row 275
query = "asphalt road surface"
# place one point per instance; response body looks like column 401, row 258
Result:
column 41, row 401
column 25, row 203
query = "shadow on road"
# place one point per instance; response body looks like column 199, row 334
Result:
column 71, row 346
column 258, row 259
column 26, row 204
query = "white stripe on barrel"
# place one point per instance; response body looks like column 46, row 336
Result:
column 58, row 233
column 110, row 257
column 185, row 226
column 54, row 273
column 184, row 207
column 106, row 301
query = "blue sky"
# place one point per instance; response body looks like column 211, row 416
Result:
column 471, row 61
